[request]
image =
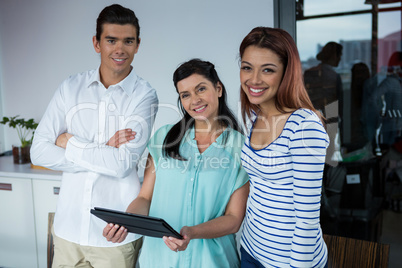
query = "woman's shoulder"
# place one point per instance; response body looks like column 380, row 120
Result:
column 234, row 141
column 235, row 135
column 307, row 122
column 304, row 118
column 164, row 128
column 161, row 132
column 303, row 114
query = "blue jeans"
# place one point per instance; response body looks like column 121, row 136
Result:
column 247, row 261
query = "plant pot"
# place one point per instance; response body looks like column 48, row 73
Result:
column 21, row 155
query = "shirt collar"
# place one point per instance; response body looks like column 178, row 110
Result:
column 126, row 84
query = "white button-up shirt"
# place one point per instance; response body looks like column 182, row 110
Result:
column 94, row 174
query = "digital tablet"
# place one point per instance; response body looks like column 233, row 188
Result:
column 139, row 224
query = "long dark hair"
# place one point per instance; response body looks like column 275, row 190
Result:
column 291, row 93
column 171, row 144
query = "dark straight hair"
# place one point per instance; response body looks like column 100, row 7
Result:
column 171, row 144
column 116, row 14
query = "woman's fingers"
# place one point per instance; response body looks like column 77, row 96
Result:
column 176, row 244
column 114, row 233
column 122, row 233
column 107, row 229
column 170, row 244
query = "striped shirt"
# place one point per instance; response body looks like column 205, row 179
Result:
column 282, row 223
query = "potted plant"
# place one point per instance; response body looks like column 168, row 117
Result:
column 25, row 130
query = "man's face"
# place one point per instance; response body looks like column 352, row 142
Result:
column 117, row 45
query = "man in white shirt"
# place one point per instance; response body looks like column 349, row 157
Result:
column 95, row 130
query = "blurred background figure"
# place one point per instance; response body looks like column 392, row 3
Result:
column 391, row 90
column 324, row 87
column 360, row 73
column 323, row 84
column 382, row 106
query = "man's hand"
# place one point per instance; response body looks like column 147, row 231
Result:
column 121, row 137
column 63, row 139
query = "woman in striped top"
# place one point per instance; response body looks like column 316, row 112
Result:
column 284, row 156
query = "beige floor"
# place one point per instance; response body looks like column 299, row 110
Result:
column 392, row 234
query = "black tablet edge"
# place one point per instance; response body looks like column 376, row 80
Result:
column 167, row 225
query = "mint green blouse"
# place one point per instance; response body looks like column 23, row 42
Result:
column 191, row 192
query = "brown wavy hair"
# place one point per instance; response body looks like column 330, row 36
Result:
column 291, row 92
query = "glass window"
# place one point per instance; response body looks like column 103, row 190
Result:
column 339, row 52
column 351, row 54
column 319, row 7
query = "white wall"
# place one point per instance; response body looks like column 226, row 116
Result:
column 42, row 42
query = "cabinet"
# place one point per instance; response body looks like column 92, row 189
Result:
column 26, row 197
column 17, row 224
column 24, row 208
column 45, row 193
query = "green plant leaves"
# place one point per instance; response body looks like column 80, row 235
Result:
column 24, row 128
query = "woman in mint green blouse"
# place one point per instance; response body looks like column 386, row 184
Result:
column 194, row 179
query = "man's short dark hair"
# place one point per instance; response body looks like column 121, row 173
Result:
column 116, row 14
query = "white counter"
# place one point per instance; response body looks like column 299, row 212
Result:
column 9, row 169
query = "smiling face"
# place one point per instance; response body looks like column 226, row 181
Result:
column 261, row 74
column 199, row 97
column 117, row 45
